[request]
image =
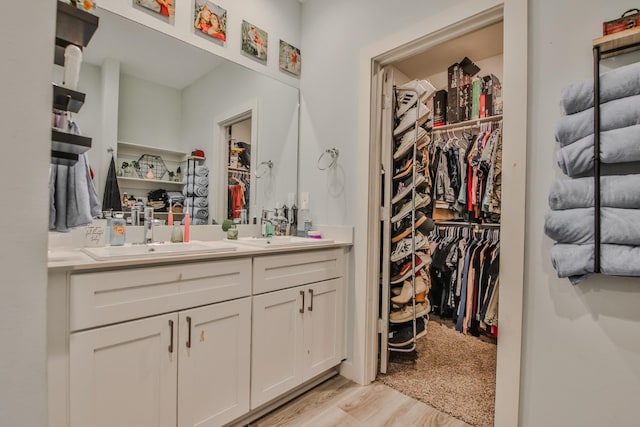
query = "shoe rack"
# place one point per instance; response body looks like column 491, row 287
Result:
column 400, row 330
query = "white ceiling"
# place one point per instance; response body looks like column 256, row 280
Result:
column 146, row 53
column 480, row 44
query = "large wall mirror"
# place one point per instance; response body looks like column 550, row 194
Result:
column 150, row 93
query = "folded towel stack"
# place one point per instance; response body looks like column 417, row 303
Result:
column 196, row 192
column 571, row 220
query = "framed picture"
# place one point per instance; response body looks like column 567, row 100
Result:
column 289, row 58
column 164, row 8
column 210, row 20
column 254, row 41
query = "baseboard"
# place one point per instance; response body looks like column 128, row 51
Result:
column 263, row 410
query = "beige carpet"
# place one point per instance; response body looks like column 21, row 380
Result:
column 453, row 372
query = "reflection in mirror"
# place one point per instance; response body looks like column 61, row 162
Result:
column 155, row 100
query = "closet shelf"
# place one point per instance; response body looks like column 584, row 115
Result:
column 69, row 143
column 66, row 99
column 468, row 123
column 152, row 183
column 618, row 43
column 73, row 26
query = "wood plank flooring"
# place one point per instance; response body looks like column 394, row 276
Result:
column 340, row 402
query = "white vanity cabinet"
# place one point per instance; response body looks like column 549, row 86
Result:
column 298, row 332
column 185, row 363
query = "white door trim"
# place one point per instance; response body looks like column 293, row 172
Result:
column 434, row 30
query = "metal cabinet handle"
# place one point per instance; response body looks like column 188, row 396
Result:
column 310, row 308
column 171, row 337
column 302, row 307
column 188, row 332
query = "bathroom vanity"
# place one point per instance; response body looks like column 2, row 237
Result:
column 201, row 339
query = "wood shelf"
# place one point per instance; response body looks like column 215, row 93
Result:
column 64, row 159
column 66, row 99
column 69, row 143
column 131, row 182
column 618, row 43
column 468, row 123
column 73, row 26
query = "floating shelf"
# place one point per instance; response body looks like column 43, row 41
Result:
column 69, row 143
column 73, row 26
column 131, row 182
column 67, row 99
column 618, row 43
column 65, row 159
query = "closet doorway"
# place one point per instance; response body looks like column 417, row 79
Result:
column 237, row 166
column 391, row 68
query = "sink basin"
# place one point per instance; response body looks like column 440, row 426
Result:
column 280, row 241
column 152, row 250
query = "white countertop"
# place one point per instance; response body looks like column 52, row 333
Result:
column 75, row 260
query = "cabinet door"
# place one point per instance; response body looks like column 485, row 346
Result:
column 323, row 327
column 213, row 367
column 124, row 375
column 276, row 365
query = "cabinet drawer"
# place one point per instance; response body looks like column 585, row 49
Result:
column 115, row 296
column 274, row 272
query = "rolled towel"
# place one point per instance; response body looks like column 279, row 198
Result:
column 199, row 171
column 202, row 213
column 198, row 191
column 196, row 180
column 615, row 114
column 617, row 226
column 577, row 261
column 198, row 202
column 616, row 191
column 616, row 146
column 199, row 221
column 618, row 83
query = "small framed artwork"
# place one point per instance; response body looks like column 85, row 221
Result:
column 254, row 41
column 164, row 9
column 290, row 59
column 210, row 20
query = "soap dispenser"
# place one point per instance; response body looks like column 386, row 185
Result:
column 118, row 229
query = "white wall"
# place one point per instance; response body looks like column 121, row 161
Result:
column 581, row 353
column 27, row 58
column 333, row 32
column 279, row 18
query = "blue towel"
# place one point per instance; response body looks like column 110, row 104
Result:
column 198, row 202
column 618, row 83
column 617, row 226
column 198, row 191
column 616, row 191
column 73, row 198
column 199, row 171
column 577, row 261
column 615, row 114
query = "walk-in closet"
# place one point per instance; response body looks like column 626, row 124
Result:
column 441, row 162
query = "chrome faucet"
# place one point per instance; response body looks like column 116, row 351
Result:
column 148, row 225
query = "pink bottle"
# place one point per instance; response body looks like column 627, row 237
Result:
column 187, row 226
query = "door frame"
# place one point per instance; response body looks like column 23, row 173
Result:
column 230, row 117
column 450, row 23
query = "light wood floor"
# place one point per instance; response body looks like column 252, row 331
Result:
column 340, row 402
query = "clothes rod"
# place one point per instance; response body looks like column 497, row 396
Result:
column 469, row 124
column 466, row 224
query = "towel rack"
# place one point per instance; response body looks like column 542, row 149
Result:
column 333, row 152
column 604, row 47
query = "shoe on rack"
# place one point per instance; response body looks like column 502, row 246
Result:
column 423, row 223
column 405, row 167
column 407, row 290
column 419, row 113
column 420, row 261
column 409, row 93
column 408, row 139
column 404, row 188
column 403, row 336
column 420, row 201
column 406, row 313
column 404, row 247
